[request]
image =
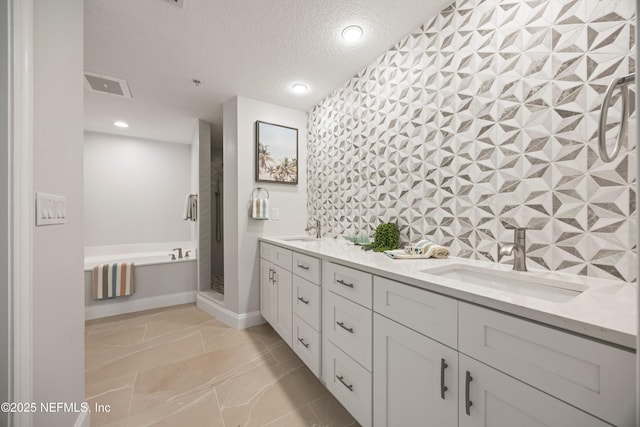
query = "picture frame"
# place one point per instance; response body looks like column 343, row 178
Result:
column 276, row 153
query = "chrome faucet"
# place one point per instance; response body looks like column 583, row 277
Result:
column 518, row 249
column 179, row 252
column 315, row 227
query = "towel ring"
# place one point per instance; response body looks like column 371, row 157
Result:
column 623, row 83
column 256, row 192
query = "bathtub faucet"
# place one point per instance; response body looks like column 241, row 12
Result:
column 179, row 252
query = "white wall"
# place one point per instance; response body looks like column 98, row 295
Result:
column 241, row 265
column 135, row 190
column 58, row 297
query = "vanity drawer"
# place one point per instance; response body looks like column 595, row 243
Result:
column 589, row 375
column 282, row 257
column 349, row 382
column 348, row 282
column 430, row 314
column 267, row 251
column 349, row 326
column 275, row 254
column 306, row 267
column 307, row 301
column 306, row 344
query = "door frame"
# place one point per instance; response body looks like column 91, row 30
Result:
column 20, row 206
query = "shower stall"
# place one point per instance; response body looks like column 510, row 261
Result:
column 217, row 242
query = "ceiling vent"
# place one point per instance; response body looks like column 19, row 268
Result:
column 108, row 85
column 179, row 3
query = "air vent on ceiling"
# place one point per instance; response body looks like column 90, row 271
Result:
column 100, row 83
column 179, row 3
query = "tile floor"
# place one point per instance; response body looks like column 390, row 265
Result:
column 217, row 283
column 178, row 366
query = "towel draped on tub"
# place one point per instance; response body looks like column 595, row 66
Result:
column 112, row 280
column 191, row 208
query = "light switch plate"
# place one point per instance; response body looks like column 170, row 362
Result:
column 275, row 214
column 50, row 209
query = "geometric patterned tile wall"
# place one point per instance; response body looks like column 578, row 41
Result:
column 483, row 119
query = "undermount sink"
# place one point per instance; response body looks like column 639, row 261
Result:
column 300, row 239
column 520, row 283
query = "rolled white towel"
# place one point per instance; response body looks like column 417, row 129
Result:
column 255, row 208
column 436, row 251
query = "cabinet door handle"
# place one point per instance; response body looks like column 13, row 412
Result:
column 343, row 283
column 302, row 300
column 467, row 401
column 303, row 343
column 341, row 379
column 350, row 330
column 302, row 266
column 443, row 388
column 275, row 277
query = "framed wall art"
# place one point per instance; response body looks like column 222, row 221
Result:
column 276, row 153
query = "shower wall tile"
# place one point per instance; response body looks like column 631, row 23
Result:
column 482, row 120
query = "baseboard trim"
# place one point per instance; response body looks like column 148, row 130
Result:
column 235, row 320
column 83, row 420
column 95, row 312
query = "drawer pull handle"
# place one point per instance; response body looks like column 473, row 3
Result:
column 443, row 388
column 302, row 300
column 270, row 274
column 303, row 343
column 350, row 330
column 467, row 401
column 341, row 379
column 302, row 266
column 343, row 283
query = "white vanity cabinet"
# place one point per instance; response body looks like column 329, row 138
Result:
column 399, row 355
column 592, row 376
column 275, row 289
column 519, row 373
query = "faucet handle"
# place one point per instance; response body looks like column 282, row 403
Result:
column 186, row 254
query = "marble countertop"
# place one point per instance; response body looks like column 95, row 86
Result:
column 606, row 310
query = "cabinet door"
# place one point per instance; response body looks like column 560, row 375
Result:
column 415, row 379
column 266, row 290
column 493, row 399
column 283, row 311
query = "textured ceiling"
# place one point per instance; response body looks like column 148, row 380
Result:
column 251, row 48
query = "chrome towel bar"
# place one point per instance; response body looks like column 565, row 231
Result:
column 622, row 83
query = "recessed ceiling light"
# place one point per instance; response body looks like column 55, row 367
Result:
column 352, row 33
column 299, row 87
column 121, row 124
